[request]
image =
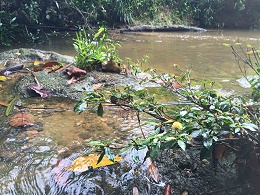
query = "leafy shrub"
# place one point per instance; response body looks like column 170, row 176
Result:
column 94, row 49
column 8, row 27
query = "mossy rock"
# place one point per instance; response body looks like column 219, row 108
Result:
column 25, row 55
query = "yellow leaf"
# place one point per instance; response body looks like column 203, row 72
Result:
column 248, row 45
column 226, row 44
column 249, row 52
column 36, row 63
column 83, row 163
column 2, row 78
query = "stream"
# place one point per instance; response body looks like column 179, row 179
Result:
column 33, row 159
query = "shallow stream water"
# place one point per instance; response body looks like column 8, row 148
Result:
column 32, row 159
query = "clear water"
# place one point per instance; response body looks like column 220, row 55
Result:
column 35, row 163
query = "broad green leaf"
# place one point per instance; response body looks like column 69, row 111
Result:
column 100, row 110
column 195, row 109
column 95, row 143
column 135, row 155
column 181, row 144
column 154, row 151
column 109, row 154
column 101, row 156
column 151, row 123
column 124, row 150
column 11, row 105
column 184, row 112
column 195, row 133
column 226, row 44
column 13, row 19
column 207, row 143
column 170, row 138
column 250, row 126
column 80, row 106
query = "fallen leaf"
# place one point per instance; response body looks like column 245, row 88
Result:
column 60, row 173
column 40, row 90
column 176, row 85
column 135, row 191
column 11, row 106
column 75, row 71
column 167, row 190
column 154, row 173
column 11, row 70
column 2, row 78
column 36, row 63
column 72, row 80
column 6, row 104
column 96, row 86
column 222, row 151
column 37, row 69
column 21, row 119
column 83, row 163
column 51, row 64
column 32, row 133
column 185, row 193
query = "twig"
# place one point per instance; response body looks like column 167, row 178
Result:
column 64, row 67
column 34, row 77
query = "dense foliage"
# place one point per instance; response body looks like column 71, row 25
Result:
column 34, row 17
column 94, row 49
column 216, row 123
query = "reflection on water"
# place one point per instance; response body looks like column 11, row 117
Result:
column 34, row 163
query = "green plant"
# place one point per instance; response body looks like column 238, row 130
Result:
column 210, row 120
column 8, row 27
column 93, row 50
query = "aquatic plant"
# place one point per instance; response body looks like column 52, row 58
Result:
column 216, row 123
column 94, row 49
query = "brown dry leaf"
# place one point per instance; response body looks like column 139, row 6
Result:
column 222, row 151
column 75, row 71
column 96, row 86
column 72, row 80
column 152, row 169
column 6, row 104
column 83, row 163
column 22, row 119
column 32, row 133
column 135, row 191
column 167, row 190
column 185, row 193
column 51, row 64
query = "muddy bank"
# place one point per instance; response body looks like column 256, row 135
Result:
column 164, row 28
